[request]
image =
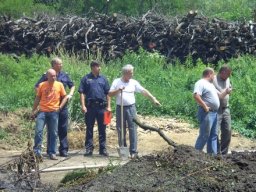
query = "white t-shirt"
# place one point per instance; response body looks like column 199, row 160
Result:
column 131, row 87
column 208, row 93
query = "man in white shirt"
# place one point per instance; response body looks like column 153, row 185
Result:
column 128, row 86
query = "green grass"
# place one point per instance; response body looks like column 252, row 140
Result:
column 3, row 134
column 17, row 8
column 171, row 84
column 229, row 9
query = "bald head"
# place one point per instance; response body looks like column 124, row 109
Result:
column 51, row 75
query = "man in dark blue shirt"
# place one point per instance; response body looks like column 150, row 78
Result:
column 94, row 100
column 63, row 115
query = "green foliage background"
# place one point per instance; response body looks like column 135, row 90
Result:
column 172, row 85
column 228, row 9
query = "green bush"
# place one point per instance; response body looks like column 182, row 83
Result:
column 18, row 8
column 171, row 84
column 229, row 9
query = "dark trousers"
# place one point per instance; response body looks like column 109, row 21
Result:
column 224, row 125
column 95, row 113
column 63, row 130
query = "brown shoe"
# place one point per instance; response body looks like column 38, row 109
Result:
column 53, row 157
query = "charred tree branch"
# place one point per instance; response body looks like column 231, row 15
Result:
column 159, row 131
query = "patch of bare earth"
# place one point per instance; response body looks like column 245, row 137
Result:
column 159, row 167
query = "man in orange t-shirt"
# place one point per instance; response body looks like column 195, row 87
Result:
column 51, row 97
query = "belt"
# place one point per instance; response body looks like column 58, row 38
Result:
column 211, row 110
column 126, row 105
column 97, row 104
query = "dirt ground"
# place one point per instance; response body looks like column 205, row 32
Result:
column 159, row 167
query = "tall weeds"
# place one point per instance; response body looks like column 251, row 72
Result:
column 171, row 84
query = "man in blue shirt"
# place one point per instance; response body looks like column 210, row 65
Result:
column 63, row 115
column 94, row 100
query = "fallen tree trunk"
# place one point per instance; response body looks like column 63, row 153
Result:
column 158, row 130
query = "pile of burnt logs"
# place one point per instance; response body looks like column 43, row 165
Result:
column 196, row 36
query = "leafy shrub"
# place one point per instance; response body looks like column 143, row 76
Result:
column 171, row 84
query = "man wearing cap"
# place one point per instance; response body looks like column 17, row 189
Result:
column 94, row 100
column 64, row 78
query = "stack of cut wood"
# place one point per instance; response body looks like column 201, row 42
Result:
column 210, row 40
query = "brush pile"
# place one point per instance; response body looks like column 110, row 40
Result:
column 192, row 35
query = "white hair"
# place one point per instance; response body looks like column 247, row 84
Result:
column 55, row 61
column 127, row 68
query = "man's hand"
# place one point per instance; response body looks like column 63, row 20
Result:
column 108, row 108
column 69, row 96
column 33, row 114
column 206, row 109
column 121, row 88
column 58, row 110
column 228, row 90
column 156, row 102
column 84, row 109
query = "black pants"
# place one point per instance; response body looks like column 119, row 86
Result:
column 63, row 130
column 95, row 113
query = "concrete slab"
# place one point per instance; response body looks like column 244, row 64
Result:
column 76, row 160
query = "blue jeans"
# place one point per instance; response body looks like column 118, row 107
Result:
column 62, row 131
column 51, row 120
column 129, row 114
column 208, row 132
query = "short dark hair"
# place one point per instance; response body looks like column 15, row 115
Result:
column 225, row 67
column 207, row 71
column 94, row 63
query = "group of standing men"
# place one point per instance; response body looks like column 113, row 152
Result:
column 212, row 95
column 50, row 108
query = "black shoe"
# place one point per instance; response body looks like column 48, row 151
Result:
column 104, row 152
column 88, row 153
column 64, row 154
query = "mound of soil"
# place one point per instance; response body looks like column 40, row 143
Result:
column 179, row 169
column 158, row 169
